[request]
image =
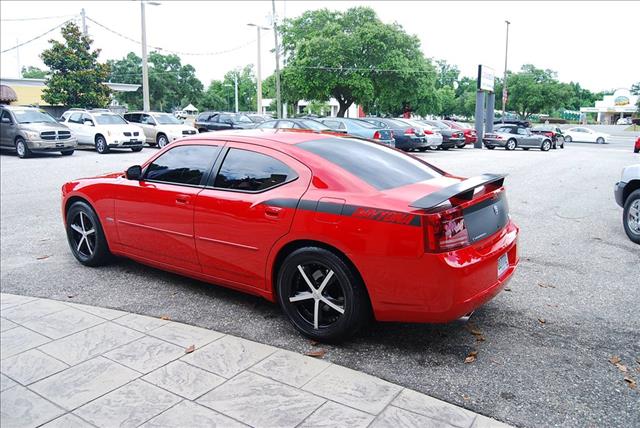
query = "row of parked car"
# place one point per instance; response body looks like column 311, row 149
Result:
column 28, row 130
column 519, row 134
column 404, row 134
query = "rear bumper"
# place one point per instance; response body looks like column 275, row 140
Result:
column 618, row 192
column 411, row 143
column 443, row 287
column 494, row 143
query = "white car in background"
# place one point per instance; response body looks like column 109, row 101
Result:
column 582, row 134
column 160, row 128
column 104, row 130
column 431, row 133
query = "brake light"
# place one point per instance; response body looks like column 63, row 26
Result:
column 377, row 136
column 428, row 131
column 445, row 231
column 409, row 131
column 549, row 134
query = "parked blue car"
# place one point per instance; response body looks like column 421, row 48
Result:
column 361, row 129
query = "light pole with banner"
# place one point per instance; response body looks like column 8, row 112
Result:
column 484, row 120
column 505, row 94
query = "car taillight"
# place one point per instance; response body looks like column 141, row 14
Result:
column 445, row 231
column 377, row 136
column 409, row 131
column 428, row 131
column 549, row 134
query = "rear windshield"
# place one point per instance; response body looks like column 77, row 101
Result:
column 377, row 165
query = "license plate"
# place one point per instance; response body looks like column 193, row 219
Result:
column 133, row 140
column 503, row 264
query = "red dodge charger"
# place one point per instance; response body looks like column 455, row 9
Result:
column 331, row 228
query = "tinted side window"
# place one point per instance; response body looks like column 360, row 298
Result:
column 267, row 125
column 252, row 172
column 379, row 166
column 182, row 165
column 7, row 115
column 132, row 117
column 75, row 118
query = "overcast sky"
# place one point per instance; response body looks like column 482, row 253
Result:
column 593, row 43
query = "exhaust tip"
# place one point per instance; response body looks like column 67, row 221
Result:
column 466, row 317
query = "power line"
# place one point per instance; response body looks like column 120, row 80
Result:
column 35, row 18
column 37, row 37
column 359, row 69
column 171, row 51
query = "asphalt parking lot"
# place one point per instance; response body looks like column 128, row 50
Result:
column 548, row 338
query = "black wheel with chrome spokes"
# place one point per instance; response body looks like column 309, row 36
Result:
column 321, row 294
column 85, row 235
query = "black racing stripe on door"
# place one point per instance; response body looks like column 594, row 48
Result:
column 375, row 214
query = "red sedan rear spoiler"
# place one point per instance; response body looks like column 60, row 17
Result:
column 461, row 191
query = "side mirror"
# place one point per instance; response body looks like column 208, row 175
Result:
column 88, row 123
column 134, row 172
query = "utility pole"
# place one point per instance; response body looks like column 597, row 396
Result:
column 235, row 79
column 504, row 81
column 145, row 67
column 259, row 69
column 84, row 22
column 275, row 35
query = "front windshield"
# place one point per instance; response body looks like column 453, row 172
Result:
column 33, row 116
column 316, row 126
column 110, row 119
column 166, row 119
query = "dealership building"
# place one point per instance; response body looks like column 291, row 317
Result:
column 613, row 107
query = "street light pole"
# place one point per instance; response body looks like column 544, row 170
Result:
column 259, row 69
column 275, row 35
column 235, row 81
column 504, row 81
column 145, row 67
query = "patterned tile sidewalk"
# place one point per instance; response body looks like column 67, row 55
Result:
column 69, row 365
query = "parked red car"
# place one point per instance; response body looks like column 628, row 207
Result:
column 636, row 148
column 332, row 228
column 470, row 136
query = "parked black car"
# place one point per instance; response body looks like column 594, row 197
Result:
column 450, row 137
column 407, row 137
column 221, row 121
column 553, row 131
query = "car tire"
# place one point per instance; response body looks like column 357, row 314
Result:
column 545, row 146
column 630, row 215
column 85, row 235
column 310, row 314
column 490, row 147
column 525, row 148
column 101, row 145
column 554, row 146
column 136, row 149
column 568, row 139
column 636, row 150
column 460, row 146
column 511, row 144
column 66, row 152
column 600, row 140
column 22, row 149
column 161, row 141
column 423, row 149
column 434, row 147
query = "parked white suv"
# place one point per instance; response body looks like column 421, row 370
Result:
column 160, row 128
column 104, row 130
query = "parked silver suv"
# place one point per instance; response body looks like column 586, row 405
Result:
column 28, row 129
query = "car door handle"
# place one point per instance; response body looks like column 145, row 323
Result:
column 272, row 212
column 183, row 199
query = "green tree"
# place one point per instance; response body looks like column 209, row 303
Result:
column 447, row 74
column 220, row 95
column 533, row 91
column 353, row 57
column 32, row 72
column 171, row 84
column 76, row 77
